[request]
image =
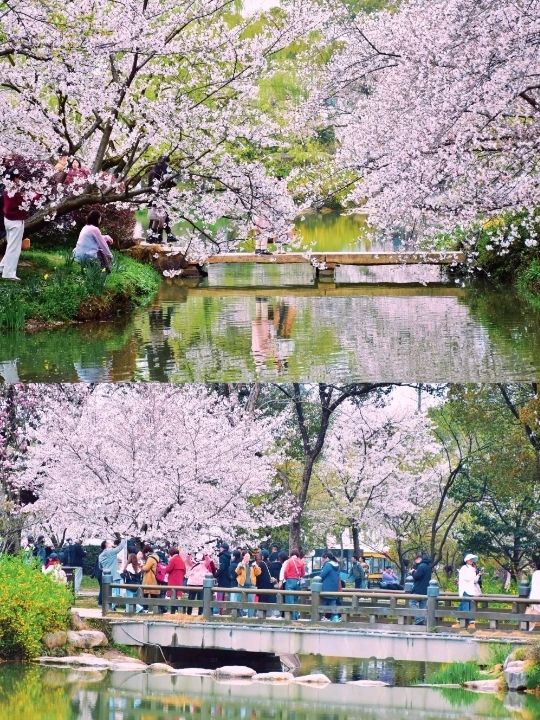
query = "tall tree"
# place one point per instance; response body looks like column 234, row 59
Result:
column 158, row 461
column 370, row 465
column 310, row 409
column 119, row 84
column 436, row 106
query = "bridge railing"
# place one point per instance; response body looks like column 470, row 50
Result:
column 370, row 606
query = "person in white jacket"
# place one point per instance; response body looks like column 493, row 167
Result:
column 534, row 595
column 469, row 585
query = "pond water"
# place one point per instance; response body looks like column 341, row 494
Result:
column 35, row 693
column 276, row 323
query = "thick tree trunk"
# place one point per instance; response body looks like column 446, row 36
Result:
column 355, row 532
column 294, row 533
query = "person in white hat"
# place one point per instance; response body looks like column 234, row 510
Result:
column 469, row 585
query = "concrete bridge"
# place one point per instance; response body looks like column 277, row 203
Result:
column 284, row 639
column 291, row 622
column 324, row 263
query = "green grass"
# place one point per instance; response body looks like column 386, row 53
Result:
column 89, row 583
column 498, row 652
column 455, row 674
column 55, row 288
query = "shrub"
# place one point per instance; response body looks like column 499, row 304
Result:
column 31, row 604
column 456, row 673
column 116, row 221
column 89, row 562
column 498, row 652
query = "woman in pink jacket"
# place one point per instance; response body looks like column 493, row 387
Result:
column 195, row 578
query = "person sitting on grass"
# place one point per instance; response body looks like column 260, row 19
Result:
column 92, row 246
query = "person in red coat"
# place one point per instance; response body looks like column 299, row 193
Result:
column 14, row 217
column 175, row 571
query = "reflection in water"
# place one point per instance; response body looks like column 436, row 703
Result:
column 245, row 323
column 271, row 343
column 35, row 693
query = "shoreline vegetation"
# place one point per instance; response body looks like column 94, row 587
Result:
column 54, row 290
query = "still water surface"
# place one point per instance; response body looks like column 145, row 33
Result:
column 276, row 323
column 35, row 693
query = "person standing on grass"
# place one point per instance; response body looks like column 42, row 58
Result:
column 14, row 217
column 468, row 585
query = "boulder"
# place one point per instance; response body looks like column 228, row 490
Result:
column 274, row 677
column 160, row 668
column 86, row 639
column 76, row 622
column 75, row 660
column 56, row 639
column 313, row 679
column 195, row 672
column 483, row 685
column 234, row 671
column 512, row 657
column 368, row 683
column 515, row 675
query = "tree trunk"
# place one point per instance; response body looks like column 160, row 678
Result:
column 355, row 532
column 294, row 533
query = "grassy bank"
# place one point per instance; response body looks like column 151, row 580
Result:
column 55, row 289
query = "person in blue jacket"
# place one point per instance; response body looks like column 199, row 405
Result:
column 331, row 582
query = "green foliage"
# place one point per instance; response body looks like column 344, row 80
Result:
column 533, row 653
column 132, row 279
column 498, row 652
column 12, row 313
column 528, row 283
column 89, row 562
column 31, row 604
column 533, row 677
column 456, row 673
column 54, row 287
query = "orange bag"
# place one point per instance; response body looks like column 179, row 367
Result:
column 26, row 244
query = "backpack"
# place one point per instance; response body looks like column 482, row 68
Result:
column 160, row 573
column 132, row 578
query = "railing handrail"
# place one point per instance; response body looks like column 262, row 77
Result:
column 376, row 604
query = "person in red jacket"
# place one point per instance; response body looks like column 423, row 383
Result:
column 176, row 572
column 14, row 217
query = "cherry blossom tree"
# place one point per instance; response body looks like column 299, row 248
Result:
column 18, row 415
column 118, row 85
column 306, row 413
column 155, row 461
column 436, row 105
column 370, row 466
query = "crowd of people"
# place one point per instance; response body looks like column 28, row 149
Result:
column 260, row 572
column 150, row 566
